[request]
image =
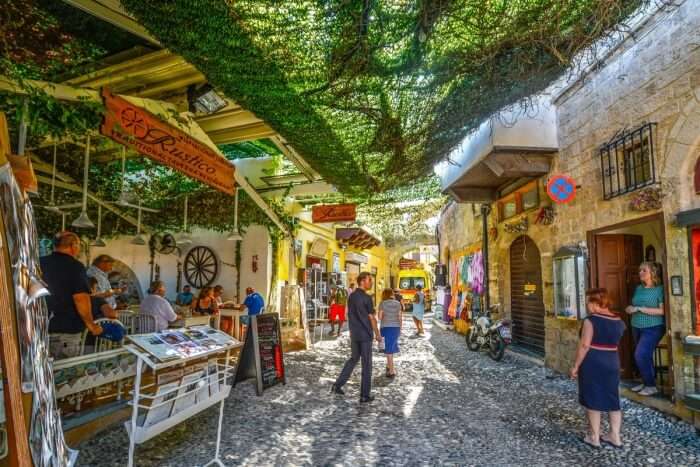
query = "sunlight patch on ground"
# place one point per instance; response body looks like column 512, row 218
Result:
column 411, row 399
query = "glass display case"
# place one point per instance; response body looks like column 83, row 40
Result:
column 570, row 283
column 691, row 372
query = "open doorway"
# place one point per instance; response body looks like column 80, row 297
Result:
column 616, row 252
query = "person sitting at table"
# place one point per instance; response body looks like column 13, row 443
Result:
column 254, row 303
column 157, row 306
column 69, row 302
column 185, row 297
column 100, row 269
column 100, row 307
column 218, row 295
column 205, row 304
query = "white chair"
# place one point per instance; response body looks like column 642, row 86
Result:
column 101, row 344
column 127, row 318
column 143, row 323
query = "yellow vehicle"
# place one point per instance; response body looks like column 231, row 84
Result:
column 409, row 280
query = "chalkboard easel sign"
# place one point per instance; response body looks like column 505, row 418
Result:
column 262, row 357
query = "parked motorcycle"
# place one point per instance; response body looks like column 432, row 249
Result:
column 485, row 333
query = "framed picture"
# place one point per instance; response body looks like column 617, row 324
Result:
column 676, row 285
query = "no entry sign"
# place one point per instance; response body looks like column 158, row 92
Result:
column 561, row 189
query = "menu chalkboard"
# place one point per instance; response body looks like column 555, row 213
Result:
column 262, row 357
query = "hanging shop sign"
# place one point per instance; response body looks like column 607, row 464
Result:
column 137, row 128
column 352, row 257
column 333, row 213
column 561, row 189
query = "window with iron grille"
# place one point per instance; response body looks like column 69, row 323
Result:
column 627, row 161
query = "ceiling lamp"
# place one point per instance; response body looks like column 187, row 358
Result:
column 235, row 235
column 206, row 100
column 63, row 221
column 138, row 239
column 123, row 199
column 183, row 238
column 83, row 221
column 98, row 241
column 52, row 203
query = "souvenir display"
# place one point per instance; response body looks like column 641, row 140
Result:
column 46, row 439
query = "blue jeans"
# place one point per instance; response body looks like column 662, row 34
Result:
column 647, row 339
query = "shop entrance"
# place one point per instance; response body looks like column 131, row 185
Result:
column 526, row 304
column 616, row 253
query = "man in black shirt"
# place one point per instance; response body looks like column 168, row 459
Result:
column 363, row 329
column 69, row 305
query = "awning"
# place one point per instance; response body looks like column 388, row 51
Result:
column 498, row 154
column 356, row 237
column 689, row 217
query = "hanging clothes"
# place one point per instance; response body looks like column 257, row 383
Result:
column 477, row 273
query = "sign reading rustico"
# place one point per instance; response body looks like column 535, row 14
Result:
column 333, row 213
column 139, row 129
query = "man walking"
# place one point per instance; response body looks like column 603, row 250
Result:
column 363, row 329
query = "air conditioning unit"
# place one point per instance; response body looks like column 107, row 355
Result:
column 319, row 248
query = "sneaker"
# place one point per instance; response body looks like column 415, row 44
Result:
column 366, row 399
column 336, row 390
column 637, row 388
column 648, row 391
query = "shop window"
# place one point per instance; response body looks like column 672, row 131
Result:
column 627, row 161
column 521, row 200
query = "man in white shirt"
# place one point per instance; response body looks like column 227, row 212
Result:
column 157, row 306
column 100, row 270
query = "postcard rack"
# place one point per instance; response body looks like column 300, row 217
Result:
column 172, row 403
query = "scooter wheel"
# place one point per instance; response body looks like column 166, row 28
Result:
column 472, row 342
column 497, row 347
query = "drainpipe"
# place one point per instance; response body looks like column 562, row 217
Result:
column 485, row 210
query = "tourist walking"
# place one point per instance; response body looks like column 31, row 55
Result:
column 363, row 329
column 419, row 309
column 648, row 327
column 390, row 319
column 597, row 368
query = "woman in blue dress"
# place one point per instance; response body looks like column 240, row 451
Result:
column 597, row 368
column 418, row 309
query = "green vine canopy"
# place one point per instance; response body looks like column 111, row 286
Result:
column 373, row 92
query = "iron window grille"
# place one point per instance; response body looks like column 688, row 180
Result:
column 627, row 161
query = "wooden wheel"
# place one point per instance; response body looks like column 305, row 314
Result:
column 201, row 267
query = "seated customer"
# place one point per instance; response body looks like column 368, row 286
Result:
column 218, row 294
column 157, row 306
column 100, row 307
column 185, row 297
column 205, row 304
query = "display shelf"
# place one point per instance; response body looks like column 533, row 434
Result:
column 172, row 403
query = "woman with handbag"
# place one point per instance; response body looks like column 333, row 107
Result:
column 597, row 368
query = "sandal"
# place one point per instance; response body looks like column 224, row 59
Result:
column 586, row 440
column 607, row 440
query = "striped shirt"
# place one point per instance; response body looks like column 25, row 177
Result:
column 648, row 297
column 391, row 310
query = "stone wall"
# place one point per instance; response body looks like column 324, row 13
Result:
column 651, row 77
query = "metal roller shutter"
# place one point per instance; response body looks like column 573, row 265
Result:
column 527, row 310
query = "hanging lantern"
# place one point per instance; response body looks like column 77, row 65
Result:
column 235, row 235
column 98, row 241
column 83, row 221
column 138, row 239
column 183, row 238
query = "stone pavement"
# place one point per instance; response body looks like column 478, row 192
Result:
column 447, row 406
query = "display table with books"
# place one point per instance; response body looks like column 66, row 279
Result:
column 191, row 377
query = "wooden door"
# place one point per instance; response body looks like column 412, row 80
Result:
column 526, row 305
column 617, row 264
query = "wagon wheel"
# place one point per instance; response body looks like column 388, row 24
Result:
column 201, row 267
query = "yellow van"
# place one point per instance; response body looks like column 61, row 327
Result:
column 408, row 280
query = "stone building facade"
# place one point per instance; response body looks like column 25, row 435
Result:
column 650, row 77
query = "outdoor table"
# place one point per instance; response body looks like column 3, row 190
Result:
column 235, row 316
column 191, row 321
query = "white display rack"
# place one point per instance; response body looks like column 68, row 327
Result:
column 174, row 403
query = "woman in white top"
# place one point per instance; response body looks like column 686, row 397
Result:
column 391, row 319
column 157, row 306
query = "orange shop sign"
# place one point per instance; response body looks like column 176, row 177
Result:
column 139, row 129
column 334, row 213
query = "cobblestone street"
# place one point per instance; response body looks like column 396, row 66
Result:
column 447, row 406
